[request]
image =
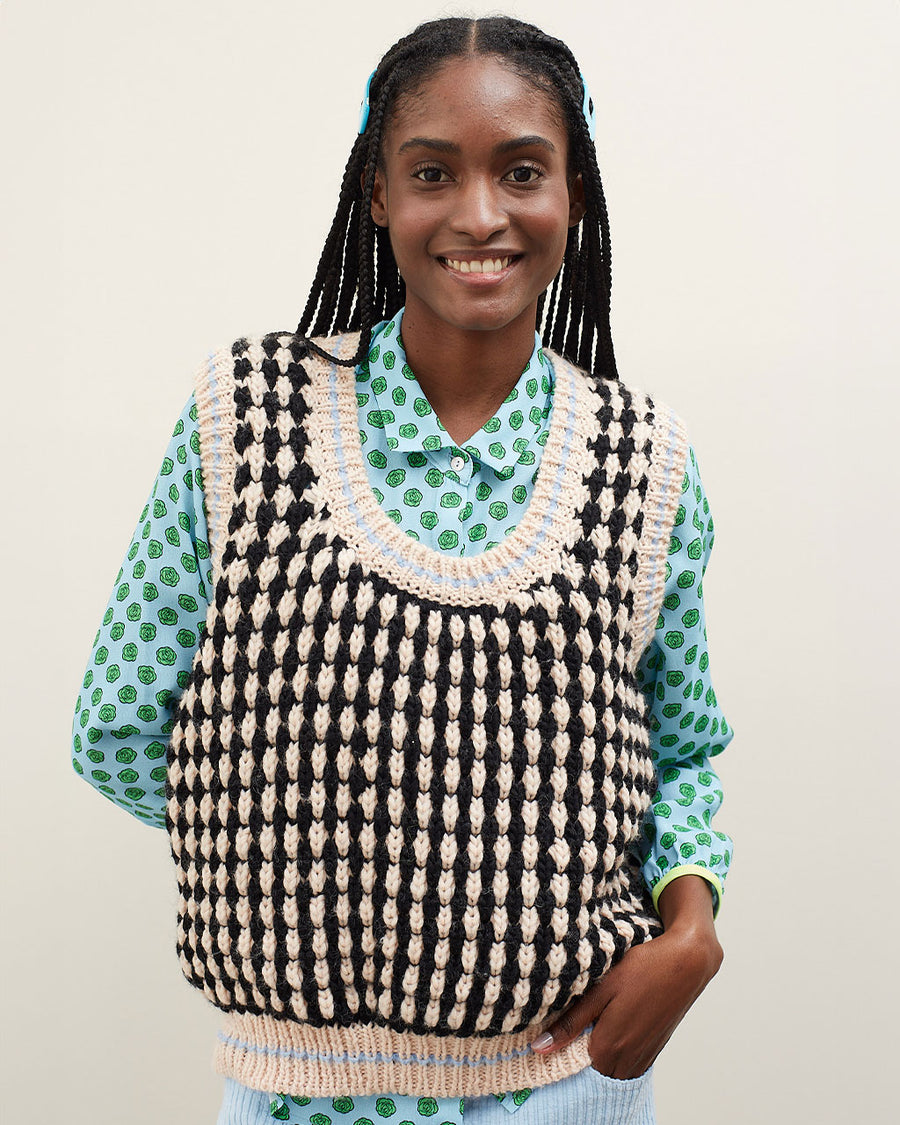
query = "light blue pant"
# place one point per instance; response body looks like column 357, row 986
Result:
column 587, row 1098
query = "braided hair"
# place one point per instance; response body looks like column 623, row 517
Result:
column 357, row 283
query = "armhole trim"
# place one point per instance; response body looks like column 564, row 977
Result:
column 214, row 393
column 668, row 459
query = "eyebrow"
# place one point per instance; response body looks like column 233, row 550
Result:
column 530, row 141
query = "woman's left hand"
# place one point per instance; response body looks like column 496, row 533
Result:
column 642, row 999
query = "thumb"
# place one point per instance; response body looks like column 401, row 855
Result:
column 573, row 1021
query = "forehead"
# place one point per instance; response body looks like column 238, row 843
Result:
column 476, row 99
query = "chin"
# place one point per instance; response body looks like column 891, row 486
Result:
column 482, row 317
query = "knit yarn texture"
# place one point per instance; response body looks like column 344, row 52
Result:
column 403, row 786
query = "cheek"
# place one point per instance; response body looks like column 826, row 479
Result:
column 410, row 230
column 548, row 224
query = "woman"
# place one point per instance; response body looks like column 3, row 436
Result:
column 451, row 648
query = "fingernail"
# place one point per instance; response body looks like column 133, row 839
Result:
column 542, row 1042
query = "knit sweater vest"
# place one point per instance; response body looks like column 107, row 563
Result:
column 402, row 785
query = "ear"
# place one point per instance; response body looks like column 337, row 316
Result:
column 577, row 206
column 379, row 200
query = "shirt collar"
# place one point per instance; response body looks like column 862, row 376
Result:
column 393, row 389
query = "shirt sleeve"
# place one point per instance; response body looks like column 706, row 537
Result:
column 687, row 726
column 143, row 651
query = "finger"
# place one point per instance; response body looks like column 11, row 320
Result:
column 573, row 1021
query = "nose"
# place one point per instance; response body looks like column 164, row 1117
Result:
column 479, row 211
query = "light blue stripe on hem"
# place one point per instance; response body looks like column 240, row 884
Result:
column 424, row 572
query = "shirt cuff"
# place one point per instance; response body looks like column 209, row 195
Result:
column 716, row 885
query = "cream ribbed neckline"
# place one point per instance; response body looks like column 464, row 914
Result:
column 532, row 550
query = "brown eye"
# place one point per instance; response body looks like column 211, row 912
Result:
column 430, row 175
column 525, row 174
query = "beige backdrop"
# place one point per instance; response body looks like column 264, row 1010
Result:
column 169, row 171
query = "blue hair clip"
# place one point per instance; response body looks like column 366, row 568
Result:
column 587, row 108
column 364, row 105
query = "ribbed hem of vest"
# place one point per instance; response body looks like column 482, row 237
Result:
column 294, row 1058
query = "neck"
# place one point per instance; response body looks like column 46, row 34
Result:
column 466, row 373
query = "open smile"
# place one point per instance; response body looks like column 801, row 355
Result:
column 480, row 270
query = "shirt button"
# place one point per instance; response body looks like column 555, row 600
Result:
column 457, row 464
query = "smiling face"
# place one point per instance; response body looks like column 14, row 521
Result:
column 476, row 196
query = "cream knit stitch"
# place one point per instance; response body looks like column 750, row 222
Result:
column 402, row 785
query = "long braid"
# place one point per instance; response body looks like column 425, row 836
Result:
column 576, row 318
column 350, row 269
column 589, row 265
column 598, row 296
column 371, row 295
column 357, row 282
column 336, row 234
column 558, row 335
column 545, row 310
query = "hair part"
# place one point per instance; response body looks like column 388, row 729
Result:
column 357, row 283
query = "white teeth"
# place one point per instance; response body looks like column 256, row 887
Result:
column 488, row 265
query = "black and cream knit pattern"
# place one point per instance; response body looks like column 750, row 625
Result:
column 402, row 785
